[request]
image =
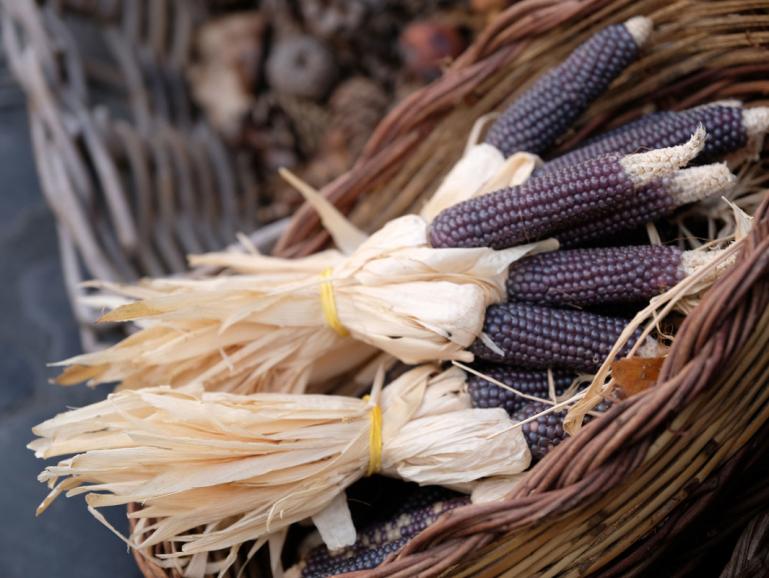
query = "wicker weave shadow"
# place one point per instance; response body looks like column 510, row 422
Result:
column 700, row 51
column 135, row 178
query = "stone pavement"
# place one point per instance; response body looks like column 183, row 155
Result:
column 36, row 327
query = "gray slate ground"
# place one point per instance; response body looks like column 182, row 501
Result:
column 36, row 327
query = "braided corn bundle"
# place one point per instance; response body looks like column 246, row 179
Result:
column 279, row 325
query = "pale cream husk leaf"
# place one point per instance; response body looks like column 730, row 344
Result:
column 246, row 467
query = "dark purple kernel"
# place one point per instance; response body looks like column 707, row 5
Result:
column 379, row 540
column 534, row 382
column 652, row 201
column 546, row 431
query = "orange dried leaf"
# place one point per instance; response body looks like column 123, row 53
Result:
column 636, row 374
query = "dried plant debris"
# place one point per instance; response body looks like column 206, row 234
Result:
column 302, row 84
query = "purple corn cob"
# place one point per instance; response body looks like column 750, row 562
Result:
column 534, row 382
column 546, row 431
column 534, row 336
column 565, row 199
column 545, row 111
column 724, row 124
column 585, row 277
column 537, row 208
column 543, row 433
column 378, row 541
column 654, row 200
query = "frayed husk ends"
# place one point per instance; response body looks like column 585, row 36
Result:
column 246, row 467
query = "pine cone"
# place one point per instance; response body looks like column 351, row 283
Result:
column 356, row 107
column 309, row 119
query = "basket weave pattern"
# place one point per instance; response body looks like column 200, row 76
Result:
column 135, row 176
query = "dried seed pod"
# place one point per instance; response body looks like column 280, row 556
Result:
column 730, row 128
column 553, row 103
column 301, row 66
column 534, row 336
column 379, row 540
column 557, row 201
column 653, row 201
column 533, row 382
column 594, row 276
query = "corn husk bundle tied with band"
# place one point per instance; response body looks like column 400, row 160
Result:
column 215, row 470
column 277, row 325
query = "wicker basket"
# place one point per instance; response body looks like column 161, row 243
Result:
column 605, row 502
column 136, row 177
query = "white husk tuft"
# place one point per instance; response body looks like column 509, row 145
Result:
column 246, row 467
column 755, row 121
column 640, row 28
column 698, row 183
column 643, row 167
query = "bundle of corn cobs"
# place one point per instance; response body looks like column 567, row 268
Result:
column 303, row 84
column 529, row 271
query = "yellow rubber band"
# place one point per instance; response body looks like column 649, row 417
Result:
column 328, row 303
column 374, row 440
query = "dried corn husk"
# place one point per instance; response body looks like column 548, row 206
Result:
column 262, row 327
column 214, row 470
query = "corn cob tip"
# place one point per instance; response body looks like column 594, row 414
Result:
column 693, row 260
column 643, row 167
column 640, row 28
column 697, row 183
column 756, row 121
column 728, row 102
